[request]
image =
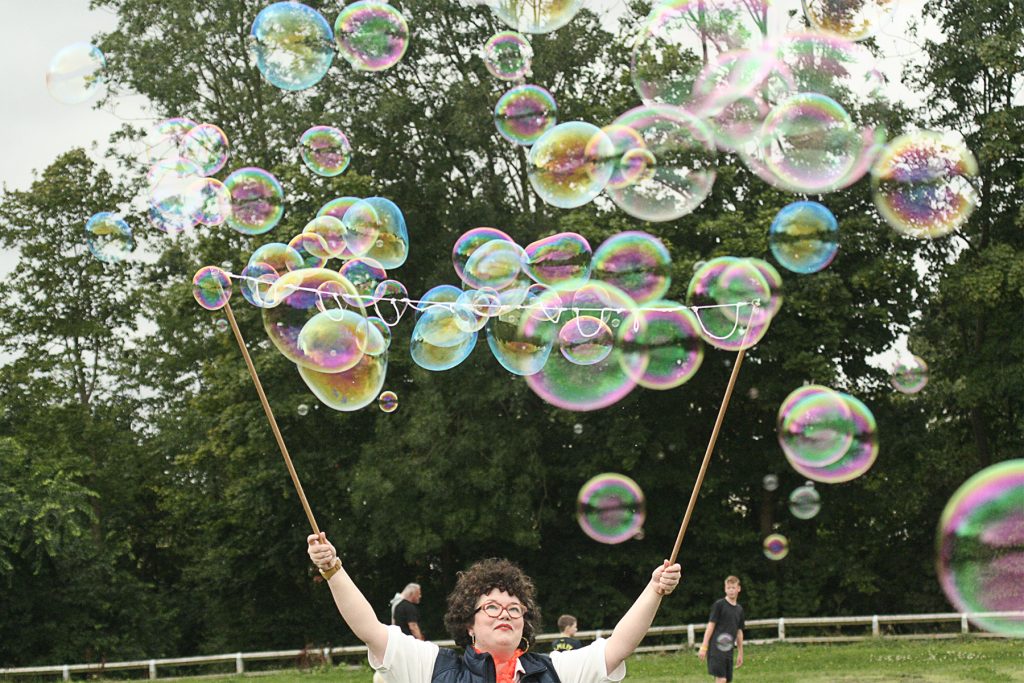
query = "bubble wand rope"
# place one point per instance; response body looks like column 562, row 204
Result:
column 707, row 455
column 270, row 417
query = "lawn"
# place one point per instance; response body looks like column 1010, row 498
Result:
column 985, row 660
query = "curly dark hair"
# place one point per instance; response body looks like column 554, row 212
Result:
column 481, row 579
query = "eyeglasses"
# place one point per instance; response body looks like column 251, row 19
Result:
column 494, row 610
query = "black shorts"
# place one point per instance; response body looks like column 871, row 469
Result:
column 720, row 667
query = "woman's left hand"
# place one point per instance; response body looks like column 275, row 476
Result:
column 666, row 577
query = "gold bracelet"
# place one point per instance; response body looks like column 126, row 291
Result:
column 334, row 568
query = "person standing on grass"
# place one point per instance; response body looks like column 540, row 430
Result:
column 724, row 634
column 404, row 611
column 567, row 627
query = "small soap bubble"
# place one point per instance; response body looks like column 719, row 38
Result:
column 388, row 401
column 257, row 201
column 979, row 546
column 214, row 201
column 910, row 375
column 571, row 164
column 292, row 45
column 206, row 145
column 371, row 35
column 585, row 340
column 211, row 287
column 804, row 237
column 636, row 262
column 109, row 237
column 776, row 547
column 558, row 258
column 724, row 642
column 611, row 508
column 524, row 113
column 325, row 150
column 577, row 429
column 76, row 73
column 770, row 482
column 302, row 410
column 805, row 501
column 222, row 325
column 508, row 55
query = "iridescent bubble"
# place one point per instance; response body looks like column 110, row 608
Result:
column 222, row 325
column 827, row 65
column 329, row 228
column 525, row 113
column 211, row 287
column 731, row 297
column 508, row 55
column 471, row 310
column 804, row 237
column 805, row 502
column 980, row 548
column 438, row 323
column 585, row 340
column 611, row 508
column 164, row 139
column 732, row 92
column 568, row 385
column 388, row 401
column 350, row 390
column 776, row 547
column 637, row 263
column 257, row 200
column 815, row 426
column 292, row 45
column 570, row 164
column 173, row 194
column 214, row 202
column 109, row 237
column 558, row 258
column 770, row 482
column 361, row 227
column 325, row 150
column 302, row 410
column 207, row 147
column 810, row 143
column 577, row 429
column 632, row 160
column 439, row 326
column 469, row 242
column 392, row 246
column 924, row 184
column 332, row 341
column 517, row 351
column 75, row 73
column 298, row 297
column 663, row 342
column 850, row 20
column 393, row 297
column 724, row 642
column 536, row 16
column 283, row 258
column 374, row 343
column 910, row 375
column 365, row 274
column 495, row 264
column 256, row 280
column 677, row 164
column 774, row 280
column 371, row 35
column 311, row 248
column 680, row 36
column 861, row 454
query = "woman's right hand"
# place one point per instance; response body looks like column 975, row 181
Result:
column 320, row 550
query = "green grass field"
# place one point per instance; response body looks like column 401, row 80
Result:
column 986, row 660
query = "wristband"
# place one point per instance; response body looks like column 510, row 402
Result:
column 332, row 570
column 703, row 648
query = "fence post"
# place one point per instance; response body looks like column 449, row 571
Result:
column 690, row 639
column 239, row 664
column 327, row 656
column 875, row 633
column 964, row 628
column 782, row 628
column 152, row 669
column 65, row 673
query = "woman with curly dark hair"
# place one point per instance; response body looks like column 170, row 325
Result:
column 493, row 614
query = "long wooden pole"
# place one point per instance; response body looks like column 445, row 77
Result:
column 270, row 418
column 707, row 456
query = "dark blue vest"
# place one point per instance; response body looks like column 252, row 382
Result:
column 474, row 667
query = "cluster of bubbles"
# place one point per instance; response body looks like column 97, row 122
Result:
column 826, row 435
column 293, row 45
column 980, row 548
column 611, row 508
column 910, row 375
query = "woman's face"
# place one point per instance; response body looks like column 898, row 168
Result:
column 501, row 634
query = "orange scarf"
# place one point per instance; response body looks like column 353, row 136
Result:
column 505, row 671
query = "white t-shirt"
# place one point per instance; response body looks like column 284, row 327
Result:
column 408, row 660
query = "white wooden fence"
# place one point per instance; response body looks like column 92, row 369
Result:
column 327, row 655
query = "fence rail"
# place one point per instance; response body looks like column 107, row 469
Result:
column 328, row 655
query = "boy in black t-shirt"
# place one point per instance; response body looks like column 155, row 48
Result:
column 567, row 625
column 725, row 630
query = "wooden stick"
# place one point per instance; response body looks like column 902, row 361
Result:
column 707, row 456
column 270, row 418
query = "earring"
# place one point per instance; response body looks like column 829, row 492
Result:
column 472, row 637
column 526, row 643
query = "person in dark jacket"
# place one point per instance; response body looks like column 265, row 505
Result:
column 493, row 614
